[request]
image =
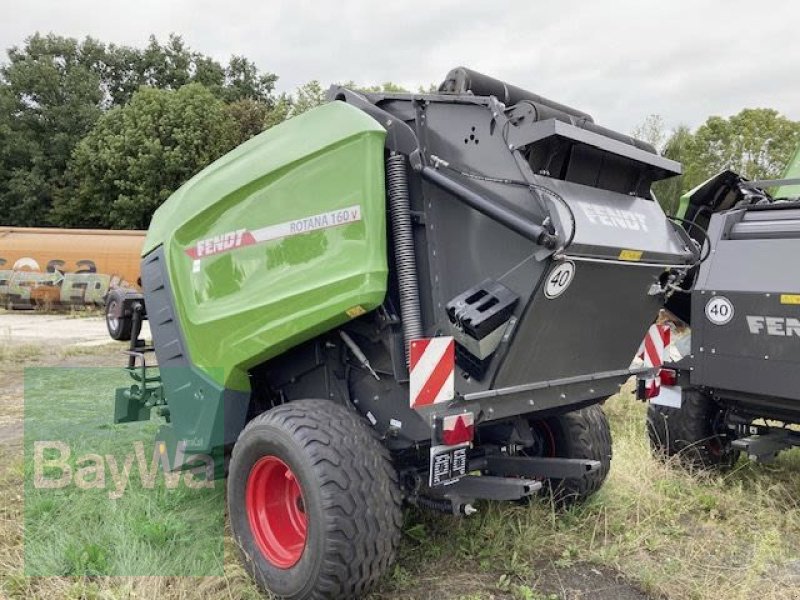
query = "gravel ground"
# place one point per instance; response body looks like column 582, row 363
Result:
column 30, row 327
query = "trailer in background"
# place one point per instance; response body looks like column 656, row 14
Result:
column 68, row 268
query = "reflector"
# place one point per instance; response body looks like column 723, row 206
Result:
column 458, row 429
column 668, row 377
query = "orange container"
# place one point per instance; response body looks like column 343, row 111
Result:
column 66, row 267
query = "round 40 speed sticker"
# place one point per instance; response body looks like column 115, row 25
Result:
column 719, row 310
column 558, row 279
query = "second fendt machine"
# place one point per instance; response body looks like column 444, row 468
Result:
column 735, row 384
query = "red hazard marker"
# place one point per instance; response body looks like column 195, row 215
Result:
column 432, row 362
column 652, row 352
column 655, row 345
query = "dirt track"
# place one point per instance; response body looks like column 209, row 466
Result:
column 29, row 338
column 29, row 327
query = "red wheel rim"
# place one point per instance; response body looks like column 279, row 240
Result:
column 548, row 450
column 276, row 511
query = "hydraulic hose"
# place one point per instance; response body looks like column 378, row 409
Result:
column 514, row 221
column 403, row 238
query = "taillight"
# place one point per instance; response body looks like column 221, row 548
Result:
column 457, row 429
column 668, row 377
column 647, row 389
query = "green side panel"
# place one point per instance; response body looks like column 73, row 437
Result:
column 792, row 172
column 278, row 241
column 686, row 199
column 683, row 205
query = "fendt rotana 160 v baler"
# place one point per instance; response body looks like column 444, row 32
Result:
column 398, row 297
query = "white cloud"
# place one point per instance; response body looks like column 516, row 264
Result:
column 619, row 60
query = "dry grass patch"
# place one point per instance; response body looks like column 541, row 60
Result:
column 674, row 534
column 18, row 354
column 105, row 349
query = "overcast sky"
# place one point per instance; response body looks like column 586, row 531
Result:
column 618, row 60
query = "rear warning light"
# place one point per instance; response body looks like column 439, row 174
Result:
column 457, row 429
column 648, row 388
column 668, row 377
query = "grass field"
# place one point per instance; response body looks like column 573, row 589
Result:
column 653, row 529
column 103, row 522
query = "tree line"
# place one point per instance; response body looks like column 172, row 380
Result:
column 757, row 143
column 99, row 135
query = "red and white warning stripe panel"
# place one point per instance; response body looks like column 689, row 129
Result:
column 432, row 365
column 653, row 350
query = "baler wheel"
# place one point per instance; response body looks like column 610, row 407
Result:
column 314, row 502
column 692, row 433
column 581, row 433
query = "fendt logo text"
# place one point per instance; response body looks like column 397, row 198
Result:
column 614, row 217
column 219, row 243
column 778, row 326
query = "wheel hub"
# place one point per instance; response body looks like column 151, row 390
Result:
column 112, row 321
column 544, row 441
column 276, row 511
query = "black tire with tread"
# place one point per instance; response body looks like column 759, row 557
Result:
column 350, row 492
column 124, row 326
column 586, row 434
column 688, row 433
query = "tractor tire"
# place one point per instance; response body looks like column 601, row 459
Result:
column 689, row 433
column 119, row 328
column 313, row 501
column 581, row 433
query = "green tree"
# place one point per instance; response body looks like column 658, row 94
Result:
column 312, row 94
column 307, row 96
column 250, row 118
column 651, row 130
column 280, row 111
column 387, row 87
column 243, row 81
column 51, row 98
column 53, row 89
column 756, row 143
column 137, row 155
column 669, row 191
column 173, row 64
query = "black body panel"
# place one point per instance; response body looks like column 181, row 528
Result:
column 752, row 361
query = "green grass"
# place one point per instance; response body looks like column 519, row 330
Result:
column 671, row 533
column 91, row 527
